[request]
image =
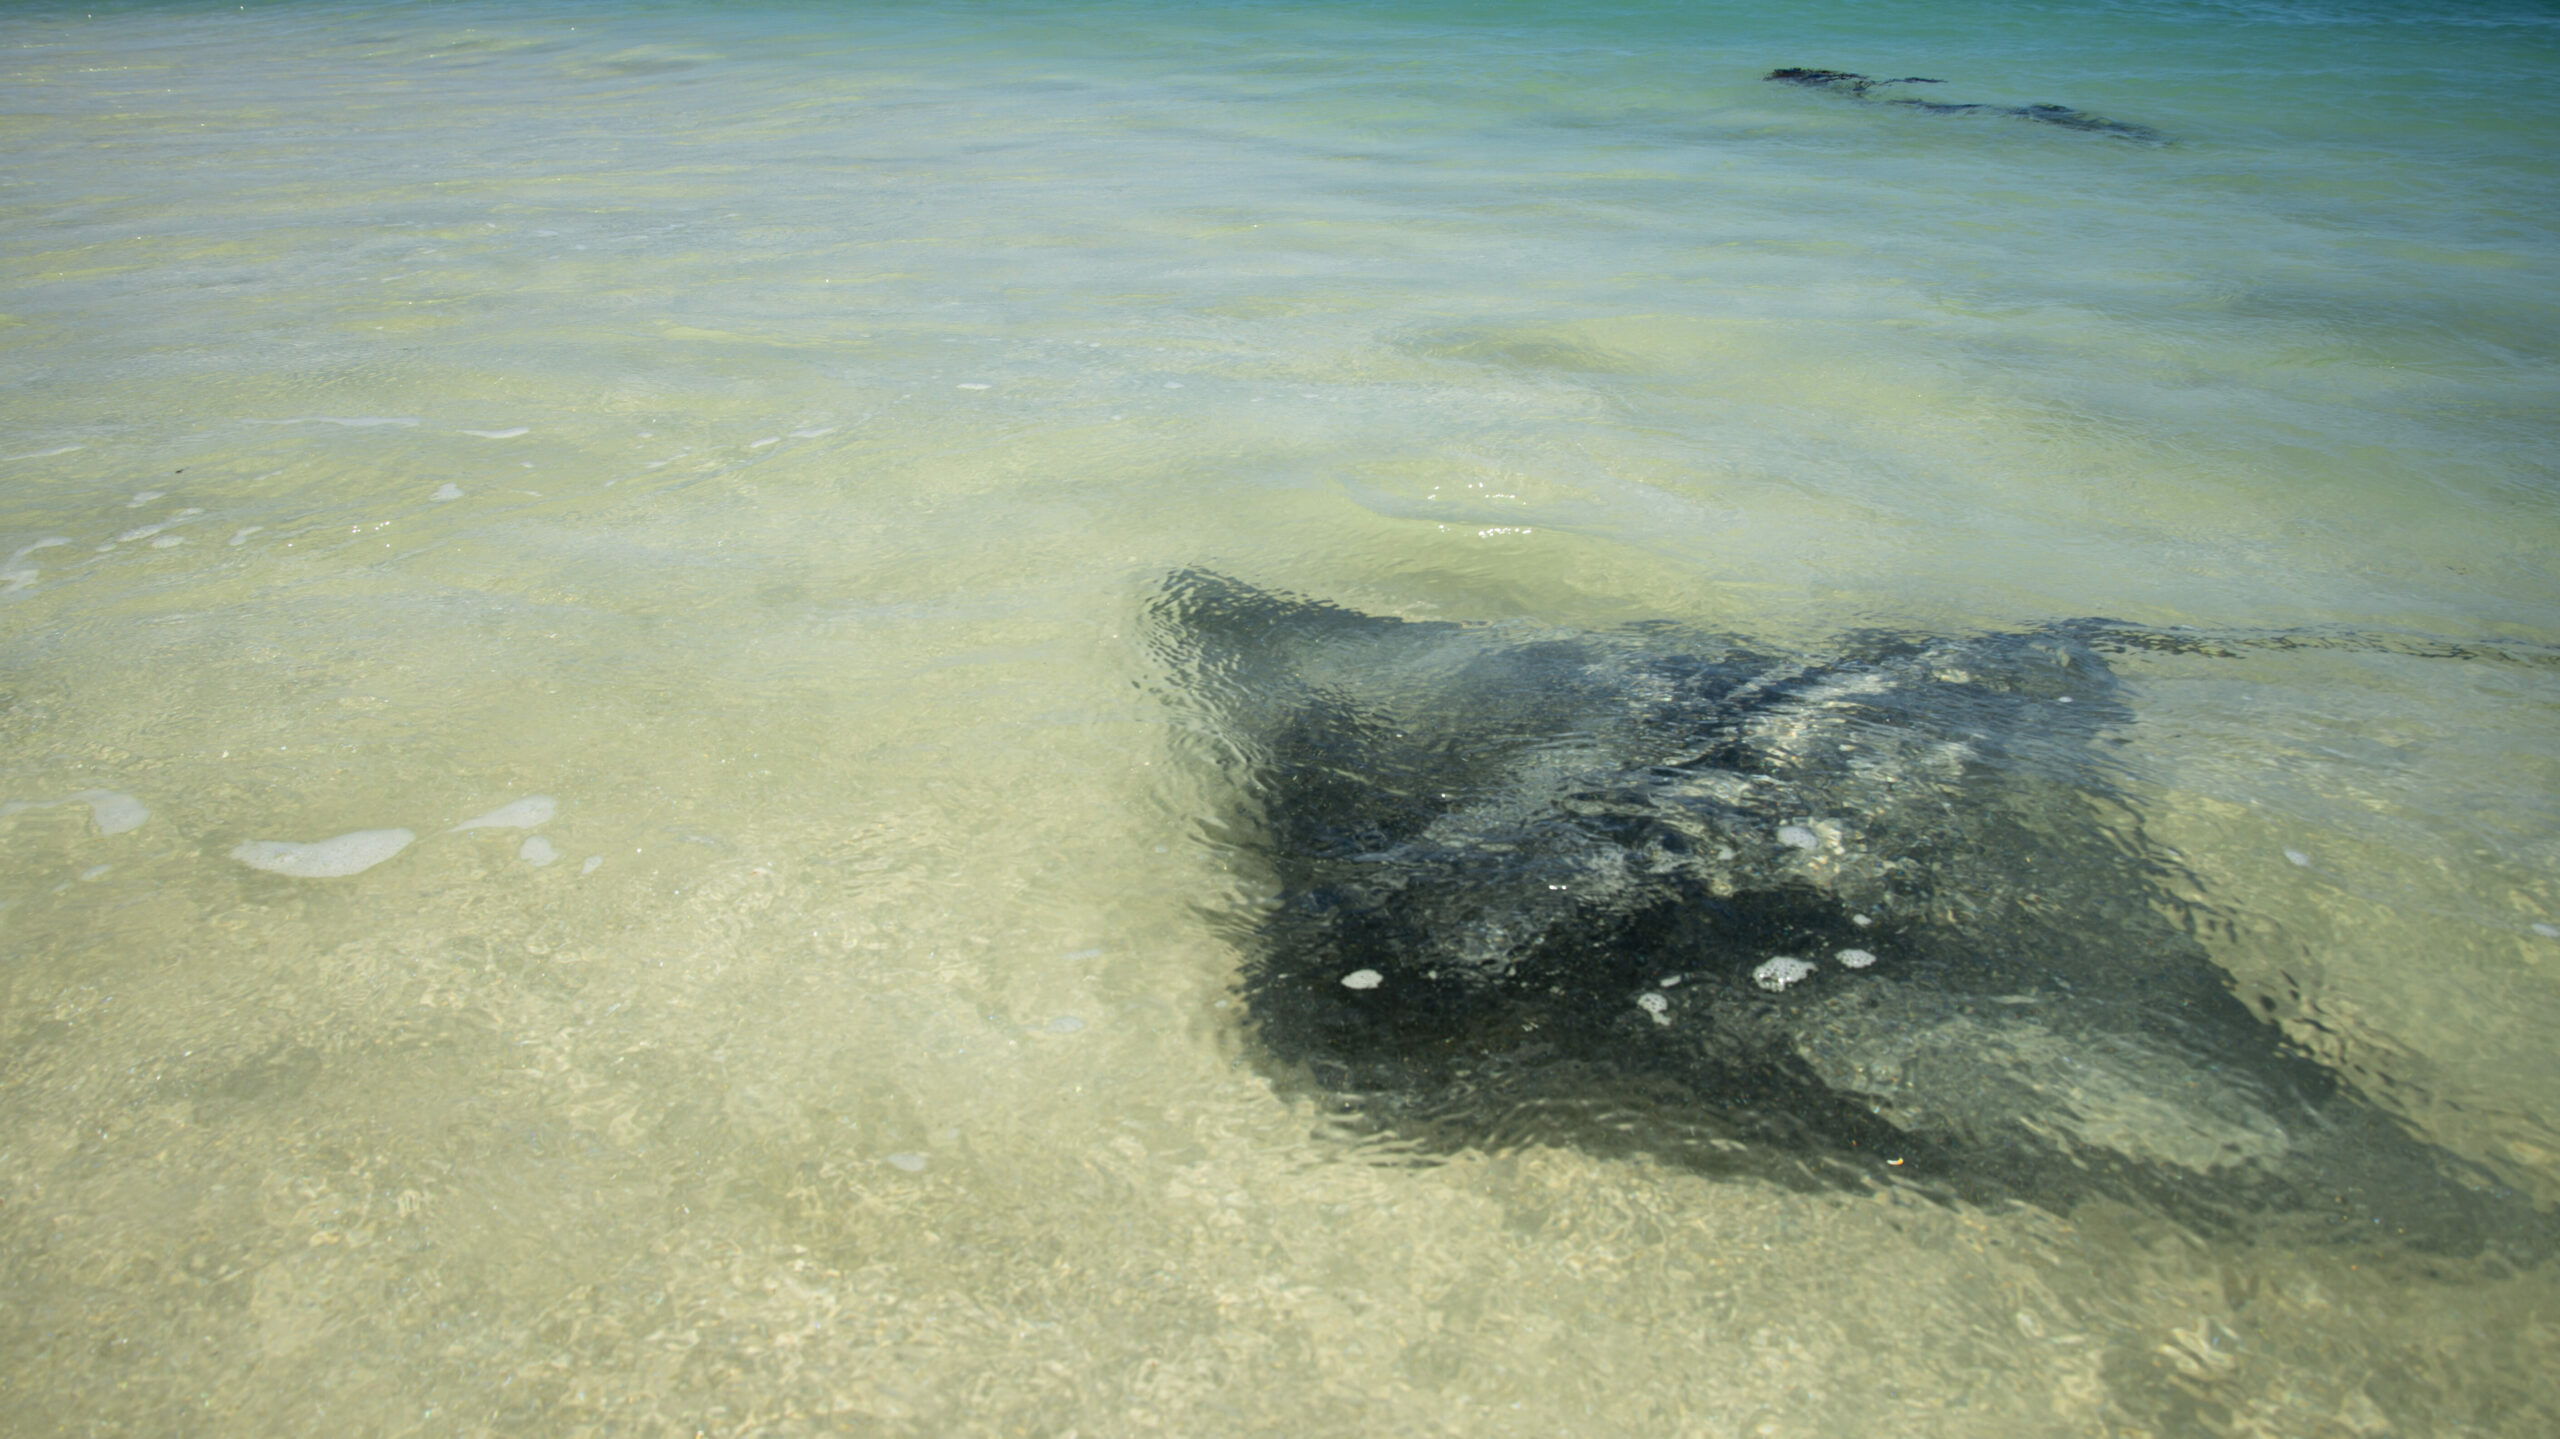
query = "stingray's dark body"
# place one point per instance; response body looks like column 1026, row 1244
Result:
column 1878, row 916
column 1864, row 87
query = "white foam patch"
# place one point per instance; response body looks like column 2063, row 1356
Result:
column 817, row 434
column 974, row 386
column 1363, row 979
column 499, row 434
column 1776, row 974
column 44, row 454
column 767, row 440
column 146, row 497
column 167, row 541
column 1656, row 1004
column 335, row 858
column 1796, row 836
column 2547, row 931
column 537, row 851
column 589, row 867
column 2298, row 859
column 242, row 538
column 911, row 1163
column 142, row 533
column 113, row 813
column 447, row 492
column 532, row 810
column 1855, row 958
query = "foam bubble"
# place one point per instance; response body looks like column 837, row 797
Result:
column 166, row 541
column 499, row 434
column 1776, row 974
column 1855, row 958
column 589, row 867
column 1657, row 1004
column 334, row 858
column 1796, row 836
column 2298, row 859
column 526, row 813
column 537, row 851
column 819, row 433
column 1363, row 979
column 911, row 1163
column 242, row 537
column 2547, row 931
column 144, row 498
column 113, row 813
column 447, row 491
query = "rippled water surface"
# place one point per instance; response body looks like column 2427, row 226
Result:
column 728, row 451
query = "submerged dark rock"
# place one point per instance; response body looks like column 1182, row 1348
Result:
column 1874, row 916
column 1863, row 87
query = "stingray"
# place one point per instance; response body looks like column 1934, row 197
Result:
column 1863, row 87
column 1882, row 915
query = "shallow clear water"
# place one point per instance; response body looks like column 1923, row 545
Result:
column 760, row 428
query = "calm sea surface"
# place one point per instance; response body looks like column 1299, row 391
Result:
column 728, row 449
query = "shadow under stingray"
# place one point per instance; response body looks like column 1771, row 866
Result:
column 1873, row 917
column 1864, row 87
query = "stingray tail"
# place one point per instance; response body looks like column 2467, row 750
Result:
column 2122, row 637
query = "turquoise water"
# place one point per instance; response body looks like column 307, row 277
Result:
column 756, row 430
